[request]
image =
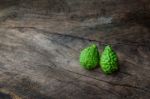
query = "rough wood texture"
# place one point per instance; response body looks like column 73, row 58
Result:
column 40, row 42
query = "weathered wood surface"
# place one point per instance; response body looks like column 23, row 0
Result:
column 40, row 43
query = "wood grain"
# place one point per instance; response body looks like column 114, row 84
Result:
column 40, row 47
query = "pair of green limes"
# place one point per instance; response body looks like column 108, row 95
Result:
column 90, row 58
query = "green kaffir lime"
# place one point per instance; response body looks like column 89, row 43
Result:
column 109, row 60
column 89, row 57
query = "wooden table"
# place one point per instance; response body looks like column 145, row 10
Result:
column 39, row 55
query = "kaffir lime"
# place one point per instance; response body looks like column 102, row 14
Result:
column 109, row 60
column 89, row 57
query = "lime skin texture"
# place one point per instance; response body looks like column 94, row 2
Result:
column 109, row 60
column 89, row 57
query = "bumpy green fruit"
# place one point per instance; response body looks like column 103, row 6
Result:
column 109, row 60
column 89, row 57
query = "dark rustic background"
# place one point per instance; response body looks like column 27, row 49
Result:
column 40, row 43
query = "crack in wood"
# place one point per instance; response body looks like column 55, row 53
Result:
column 115, row 84
column 81, row 38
